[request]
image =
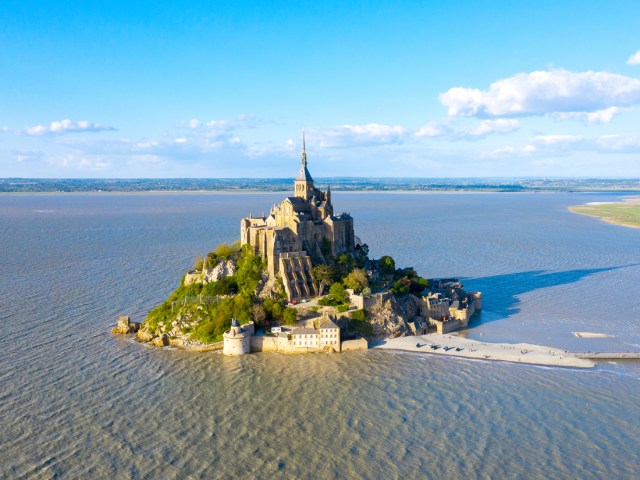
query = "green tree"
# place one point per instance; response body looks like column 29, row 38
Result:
column 289, row 316
column 224, row 250
column 357, row 280
column 338, row 294
column 324, row 275
column 273, row 309
column 224, row 286
column 387, row 265
column 249, row 270
column 198, row 263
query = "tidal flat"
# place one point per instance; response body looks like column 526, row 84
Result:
column 78, row 402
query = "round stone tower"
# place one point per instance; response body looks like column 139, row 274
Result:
column 237, row 341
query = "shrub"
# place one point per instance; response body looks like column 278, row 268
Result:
column 359, row 315
column 338, row 294
column 289, row 316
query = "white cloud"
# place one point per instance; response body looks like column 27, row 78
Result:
column 66, row 126
column 445, row 128
column 557, row 139
column 93, row 164
column 358, row 135
column 634, row 59
column 434, row 129
column 544, row 92
column 28, row 156
column 501, row 125
column 597, row 117
column 550, row 144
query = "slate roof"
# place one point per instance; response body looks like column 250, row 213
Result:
column 303, row 174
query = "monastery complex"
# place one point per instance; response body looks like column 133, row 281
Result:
column 301, row 232
column 298, row 233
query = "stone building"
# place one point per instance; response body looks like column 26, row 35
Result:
column 237, row 340
column 298, row 233
column 448, row 306
column 329, row 335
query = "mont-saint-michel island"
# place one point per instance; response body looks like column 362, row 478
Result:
column 299, row 280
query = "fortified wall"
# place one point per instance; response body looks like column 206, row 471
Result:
column 448, row 307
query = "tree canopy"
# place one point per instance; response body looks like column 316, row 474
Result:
column 387, row 265
column 357, row 280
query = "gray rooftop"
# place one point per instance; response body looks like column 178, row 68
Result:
column 328, row 324
column 303, row 331
column 303, row 173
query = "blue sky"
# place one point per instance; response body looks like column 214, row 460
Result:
column 398, row 88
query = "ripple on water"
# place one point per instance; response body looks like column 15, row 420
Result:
column 77, row 402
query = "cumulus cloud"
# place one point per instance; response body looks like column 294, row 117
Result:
column 546, row 144
column 597, row 117
column 438, row 128
column 358, row 135
column 501, row 125
column 634, row 59
column 66, row 126
column 544, row 92
column 445, row 128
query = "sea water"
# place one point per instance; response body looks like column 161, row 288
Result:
column 78, row 402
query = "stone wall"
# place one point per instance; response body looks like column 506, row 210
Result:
column 295, row 268
column 355, row 300
column 357, row 344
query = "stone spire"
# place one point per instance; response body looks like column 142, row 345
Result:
column 304, row 181
column 304, row 151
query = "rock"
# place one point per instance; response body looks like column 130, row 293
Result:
column 390, row 319
column 161, row 341
column 269, row 287
column 144, row 336
column 125, row 326
column 224, row 268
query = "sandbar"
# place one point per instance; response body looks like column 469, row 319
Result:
column 625, row 213
column 506, row 352
column 592, row 335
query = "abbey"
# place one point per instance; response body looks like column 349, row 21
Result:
column 298, row 234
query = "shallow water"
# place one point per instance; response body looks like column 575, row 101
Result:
column 77, row 402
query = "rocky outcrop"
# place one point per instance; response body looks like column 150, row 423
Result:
column 269, row 287
column 125, row 326
column 224, row 268
column 390, row 318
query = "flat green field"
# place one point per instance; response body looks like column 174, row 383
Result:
column 622, row 213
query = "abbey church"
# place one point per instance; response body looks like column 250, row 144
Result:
column 298, row 233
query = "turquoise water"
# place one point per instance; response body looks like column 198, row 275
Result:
column 77, row 402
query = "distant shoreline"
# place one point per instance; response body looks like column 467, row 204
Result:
column 335, row 190
column 338, row 184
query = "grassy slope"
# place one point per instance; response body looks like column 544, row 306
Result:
column 623, row 213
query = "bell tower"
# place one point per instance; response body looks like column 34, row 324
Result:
column 303, row 185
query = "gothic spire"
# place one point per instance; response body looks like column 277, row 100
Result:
column 304, row 151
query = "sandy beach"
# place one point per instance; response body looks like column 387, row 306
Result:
column 506, row 352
